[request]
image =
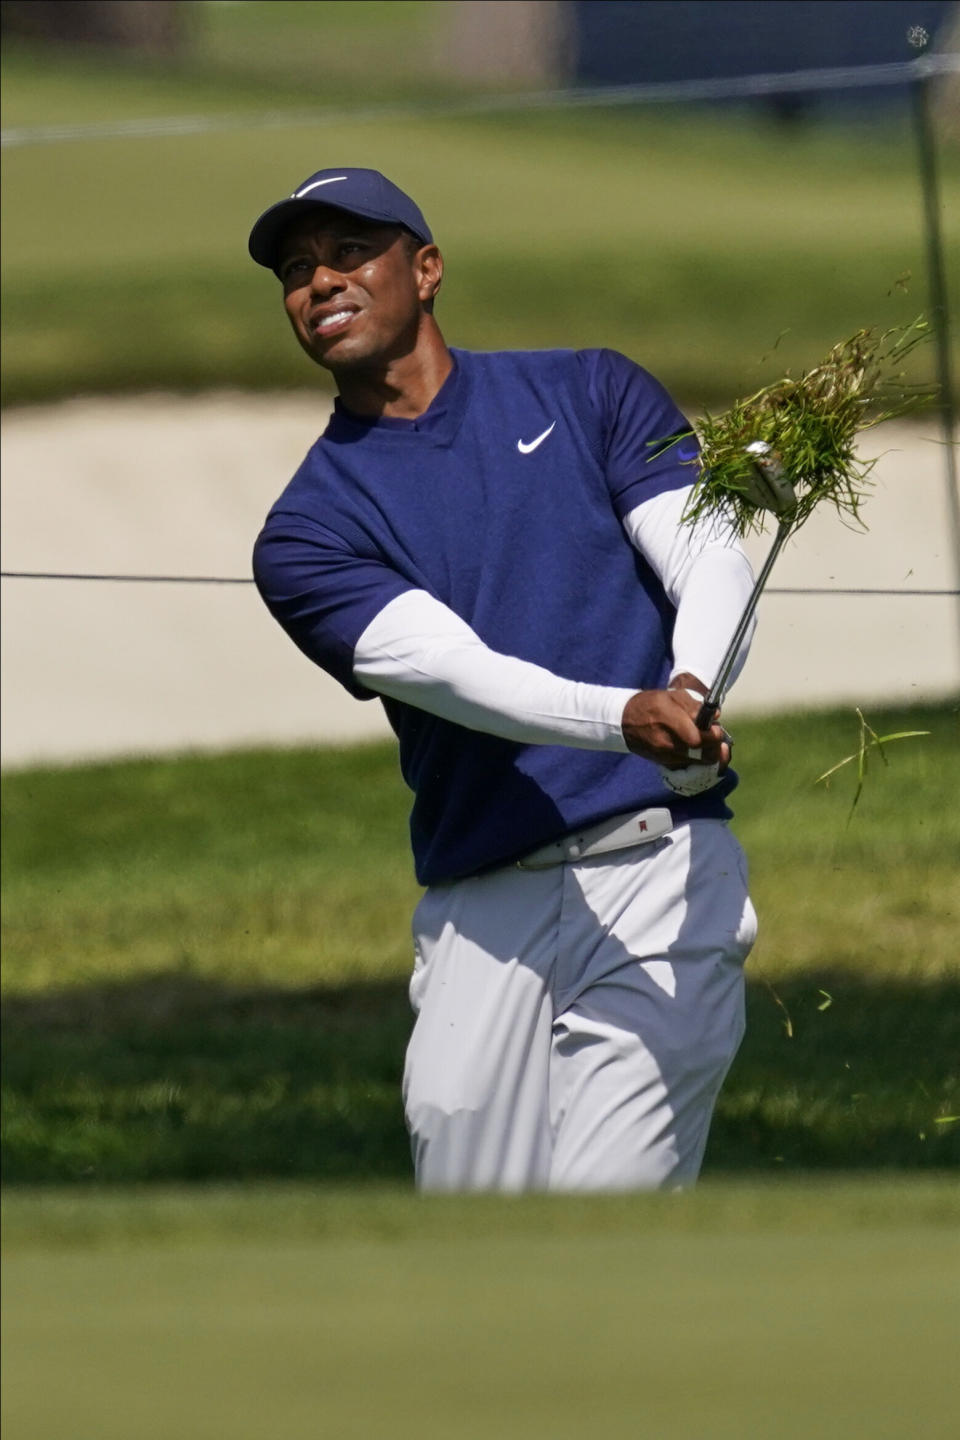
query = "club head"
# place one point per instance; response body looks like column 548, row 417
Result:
column 769, row 487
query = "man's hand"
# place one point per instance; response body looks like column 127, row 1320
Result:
column 659, row 725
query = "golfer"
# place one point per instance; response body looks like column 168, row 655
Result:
column 493, row 545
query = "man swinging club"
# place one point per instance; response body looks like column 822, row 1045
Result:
column 492, row 544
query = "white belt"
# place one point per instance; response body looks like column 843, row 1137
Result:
column 617, row 833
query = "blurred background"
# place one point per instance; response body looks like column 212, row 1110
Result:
column 156, row 131
column 207, row 885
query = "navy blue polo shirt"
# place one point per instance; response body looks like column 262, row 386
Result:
column 525, row 543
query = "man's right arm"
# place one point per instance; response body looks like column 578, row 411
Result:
column 377, row 634
column 418, row 651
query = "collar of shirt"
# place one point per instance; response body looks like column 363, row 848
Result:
column 437, row 424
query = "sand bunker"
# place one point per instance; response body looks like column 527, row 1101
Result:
column 179, row 486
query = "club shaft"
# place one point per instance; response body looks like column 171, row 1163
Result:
column 710, row 706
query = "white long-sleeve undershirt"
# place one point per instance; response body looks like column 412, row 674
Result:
column 707, row 576
column 419, row 651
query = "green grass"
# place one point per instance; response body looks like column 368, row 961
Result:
column 738, row 1311
column 42, row 1218
column 688, row 239
column 206, row 962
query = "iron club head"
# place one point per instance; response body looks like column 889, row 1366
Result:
column 769, row 488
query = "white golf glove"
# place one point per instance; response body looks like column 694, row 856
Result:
column 691, row 779
column 695, row 778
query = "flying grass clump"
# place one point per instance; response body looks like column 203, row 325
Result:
column 807, row 428
column 869, row 740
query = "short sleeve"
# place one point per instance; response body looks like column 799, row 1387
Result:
column 323, row 594
column 648, row 444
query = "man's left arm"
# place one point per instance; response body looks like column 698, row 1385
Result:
column 650, row 452
column 706, row 575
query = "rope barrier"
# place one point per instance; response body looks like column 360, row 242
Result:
column 245, row 580
column 128, row 579
column 666, row 92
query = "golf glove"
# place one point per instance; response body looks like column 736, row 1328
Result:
column 691, row 779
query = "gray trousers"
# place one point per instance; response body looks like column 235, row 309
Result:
column 575, row 1024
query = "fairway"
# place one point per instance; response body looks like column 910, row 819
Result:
column 787, row 1311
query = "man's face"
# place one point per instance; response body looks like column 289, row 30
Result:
column 354, row 290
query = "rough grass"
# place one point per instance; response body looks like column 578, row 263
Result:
column 206, row 963
column 806, row 428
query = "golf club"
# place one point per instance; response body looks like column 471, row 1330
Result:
column 771, row 490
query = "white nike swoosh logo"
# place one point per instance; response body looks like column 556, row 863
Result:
column 298, row 194
column 525, row 449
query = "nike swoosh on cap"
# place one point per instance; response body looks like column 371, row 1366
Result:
column 331, row 180
column 525, row 448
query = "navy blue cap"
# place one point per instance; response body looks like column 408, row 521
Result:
column 358, row 192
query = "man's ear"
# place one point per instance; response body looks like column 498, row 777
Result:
column 429, row 264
